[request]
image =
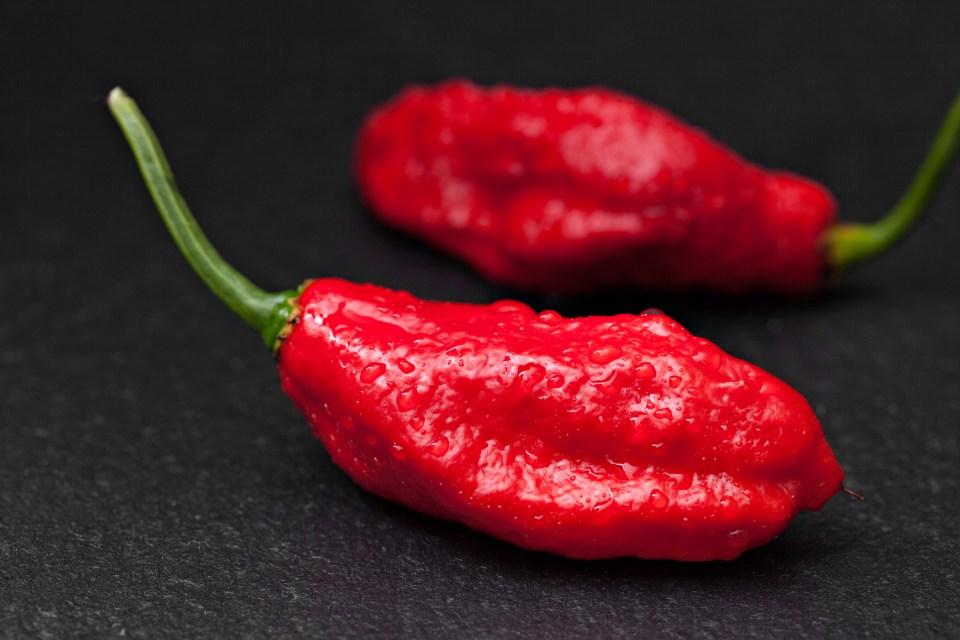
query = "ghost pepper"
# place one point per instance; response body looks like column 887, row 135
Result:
column 588, row 437
column 571, row 190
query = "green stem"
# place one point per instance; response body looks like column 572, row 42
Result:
column 267, row 313
column 850, row 243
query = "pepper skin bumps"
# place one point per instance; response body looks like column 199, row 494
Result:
column 572, row 190
column 591, row 437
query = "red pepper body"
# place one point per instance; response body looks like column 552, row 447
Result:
column 589, row 437
column 570, row 190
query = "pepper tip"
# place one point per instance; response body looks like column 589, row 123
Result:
column 852, row 493
column 116, row 94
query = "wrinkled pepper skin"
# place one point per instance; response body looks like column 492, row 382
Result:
column 570, row 190
column 592, row 437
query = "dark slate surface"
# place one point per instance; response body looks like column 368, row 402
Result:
column 154, row 482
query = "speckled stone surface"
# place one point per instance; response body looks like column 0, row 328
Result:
column 155, row 482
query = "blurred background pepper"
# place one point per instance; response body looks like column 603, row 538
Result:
column 573, row 190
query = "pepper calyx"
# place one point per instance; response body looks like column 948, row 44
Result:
column 289, row 317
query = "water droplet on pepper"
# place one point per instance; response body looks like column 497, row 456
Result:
column 555, row 380
column 438, row 447
column 528, row 376
column 408, row 399
column 645, row 370
column 605, row 354
column 372, row 371
column 658, row 500
column 738, row 538
column 550, row 317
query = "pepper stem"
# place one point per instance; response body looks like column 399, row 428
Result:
column 266, row 313
column 850, row 243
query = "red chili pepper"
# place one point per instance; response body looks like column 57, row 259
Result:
column 588, row 437
column 573, row 190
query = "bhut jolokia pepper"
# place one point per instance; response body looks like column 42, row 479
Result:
column 574, row 190
column 588, row 437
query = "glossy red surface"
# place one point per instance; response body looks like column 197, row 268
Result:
column 574, row 190
column 588, row 437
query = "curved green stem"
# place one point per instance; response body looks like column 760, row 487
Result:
column 267, row 313
column 850, row 243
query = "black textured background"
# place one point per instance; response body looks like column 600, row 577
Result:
column 154, row 482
